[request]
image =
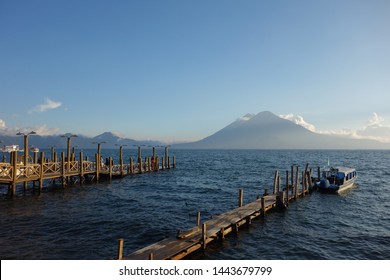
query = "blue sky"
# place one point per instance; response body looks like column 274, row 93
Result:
column 181, row 70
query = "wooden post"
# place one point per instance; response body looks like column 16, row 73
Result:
column 149, row 165
column 263, row 206
column 275, row 181
column 240, row 197
column 278, row 183
column 41, row 171
column 120, row 249
column 174, row 162
column 157, row 164
column 121, row 159
column 287, row 187
column 222, row 233
column 151, row 256
column 139, row 165
column 292, row 177
column 198, row 219
column 296, row 182
column 14, row 158
column 97, row 164
column 204, row 235
column 81, row 168
column 110, row 167
column 154, row 152
column 169, row 163
column 319, row 173
column 162, row 163
column 131, row 165
column 166, row 158
column 63, row 170
column 303, row 183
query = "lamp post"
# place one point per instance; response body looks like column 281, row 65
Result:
column 68, row 136
column 25, row 135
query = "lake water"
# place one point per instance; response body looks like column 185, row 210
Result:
column 85, row 222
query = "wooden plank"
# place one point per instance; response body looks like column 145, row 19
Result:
column 171, row 247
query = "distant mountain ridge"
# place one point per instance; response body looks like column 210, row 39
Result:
column 110, row 141
column 268, row 131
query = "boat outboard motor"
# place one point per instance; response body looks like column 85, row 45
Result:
column 324, row 184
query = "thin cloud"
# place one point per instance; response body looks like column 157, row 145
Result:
column 48, row 105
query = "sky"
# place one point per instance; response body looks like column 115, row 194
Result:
column 182, row 70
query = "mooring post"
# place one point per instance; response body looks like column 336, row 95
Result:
column 41, row 171
column 139, row 165
column 14, row 158
column 63, row 168
column 287, row 187
column 318, row 173
column 97, row 166
column 240, row 197
column 131, row 165
column 81, row 168
column 204, row 235
column 296, row 182
column 292, row 178
column 169, row 163
column 275, row 181
column 166, row 158
column 198, row 219
column 120, row 249
column 110, row 167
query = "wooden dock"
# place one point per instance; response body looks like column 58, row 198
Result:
column 187, row 242
column 67, row 171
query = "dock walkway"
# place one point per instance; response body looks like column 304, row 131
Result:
column 16, row 172
column 196, row 238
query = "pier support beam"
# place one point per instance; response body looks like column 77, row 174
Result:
column 120, row 249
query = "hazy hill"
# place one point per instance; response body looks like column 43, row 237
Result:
column 42, row 142
column 268, row 131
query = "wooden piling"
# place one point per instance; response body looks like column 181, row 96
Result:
column 287, row 187
column 162, row 163
column 131, row 166
column 198, row 219
column 63, row 170
column 296, row 182
column 318, row 174
column 275, row 181
column 174, row 162
column 303, row 183
column 151, row 256
column 240, row 197
column 97, row 163
column 139, row 165
column 278, row 183
column 169, row 163
column 120, row 249
column 41, row 171
column 14, row 157
column 81, row 168
column 110, row 168
column 204, row 235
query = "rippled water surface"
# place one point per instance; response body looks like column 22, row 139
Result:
column 84, row 222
